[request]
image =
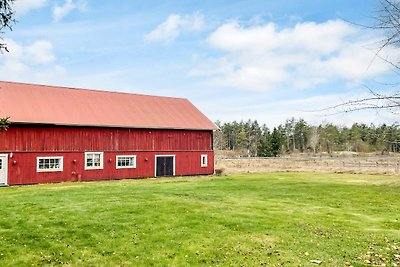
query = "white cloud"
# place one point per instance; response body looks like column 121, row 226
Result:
column 274, row 112
column 263, row 57
column 24, row 6
column 41, row 52
column 175, row 25
column 59, row 12
column 30, row 63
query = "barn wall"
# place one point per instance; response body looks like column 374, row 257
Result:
column 68, row 139
column 29, row 142
column 22, row 167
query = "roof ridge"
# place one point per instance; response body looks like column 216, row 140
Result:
column 94, row 90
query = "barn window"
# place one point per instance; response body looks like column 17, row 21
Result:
column 204, row 161
column 93, row 160
column 125, row 162
column 49, row 164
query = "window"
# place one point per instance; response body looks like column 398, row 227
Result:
column 1, row 164
column 125, row 162
column 49, row 164
column 204, row 161
column 93, row 160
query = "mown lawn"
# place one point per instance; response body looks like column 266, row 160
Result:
column 275, row 219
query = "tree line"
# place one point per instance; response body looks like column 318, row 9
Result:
column 296, row 135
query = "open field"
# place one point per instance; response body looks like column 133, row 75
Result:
column 388, row 165
column 274, row 219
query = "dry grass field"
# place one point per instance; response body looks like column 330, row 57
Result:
column 365, row 164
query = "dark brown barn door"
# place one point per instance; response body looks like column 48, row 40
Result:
column 165, row 166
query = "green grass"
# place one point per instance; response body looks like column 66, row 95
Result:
column 243, row 220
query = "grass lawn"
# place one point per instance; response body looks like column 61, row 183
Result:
column 274, row 219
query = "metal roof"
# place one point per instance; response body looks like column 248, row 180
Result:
column 42, row 104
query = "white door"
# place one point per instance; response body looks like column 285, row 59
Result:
column 3, row 169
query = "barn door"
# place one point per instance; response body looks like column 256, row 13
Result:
column 3, row 169
column 164, row 166
column 169, row 166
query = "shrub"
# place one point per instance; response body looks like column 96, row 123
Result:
column 220, row 170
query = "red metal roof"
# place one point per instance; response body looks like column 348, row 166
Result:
column 31, row 103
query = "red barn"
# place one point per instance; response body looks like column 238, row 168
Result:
column 66, row 134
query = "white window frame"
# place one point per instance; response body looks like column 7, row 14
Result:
column 125, row 156
column 94, row 167
column 5, row 167
column 59, row 169
column 203, row 165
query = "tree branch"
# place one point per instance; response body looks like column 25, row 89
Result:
column 4, row 123
column 7, row 20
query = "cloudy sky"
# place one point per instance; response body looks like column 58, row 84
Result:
column 235, row 60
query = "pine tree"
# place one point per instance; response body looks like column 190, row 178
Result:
column 276, row 142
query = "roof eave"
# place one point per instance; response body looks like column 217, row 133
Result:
column 116, row 126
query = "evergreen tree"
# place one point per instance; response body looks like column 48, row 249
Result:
column 265, row 146
column 276, row 142
column 297, row 135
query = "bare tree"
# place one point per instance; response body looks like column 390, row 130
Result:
column 387, row 22
column 7, row 20
column 314, row 138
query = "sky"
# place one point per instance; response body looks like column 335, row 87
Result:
column 235, row 60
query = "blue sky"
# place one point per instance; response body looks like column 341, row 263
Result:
column 235, row 60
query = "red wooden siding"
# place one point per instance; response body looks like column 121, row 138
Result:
column 69, row 139
column 22, row 167
column 29, row 142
